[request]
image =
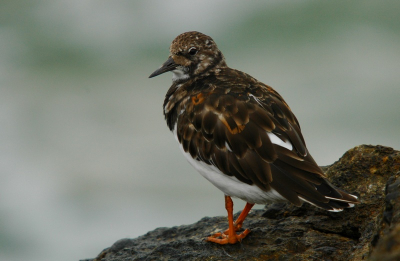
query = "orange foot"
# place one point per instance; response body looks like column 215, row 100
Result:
column 229, row 236
column 222, row 238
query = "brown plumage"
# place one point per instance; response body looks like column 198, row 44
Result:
column 240, row 133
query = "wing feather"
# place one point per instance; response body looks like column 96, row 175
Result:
column 230, row 127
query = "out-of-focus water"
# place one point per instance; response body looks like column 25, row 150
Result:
column 86, row 157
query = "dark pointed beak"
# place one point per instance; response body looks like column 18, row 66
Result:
column 169, row 65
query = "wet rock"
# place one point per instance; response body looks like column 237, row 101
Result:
column 369, row 231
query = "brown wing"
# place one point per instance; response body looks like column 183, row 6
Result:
column 228, row 128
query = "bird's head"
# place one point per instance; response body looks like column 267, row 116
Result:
column 191, row 54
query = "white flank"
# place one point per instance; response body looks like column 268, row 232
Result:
column 231, row 186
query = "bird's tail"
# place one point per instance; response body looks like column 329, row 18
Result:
column 337, row 198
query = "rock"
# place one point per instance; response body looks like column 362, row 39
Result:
column 369, row 231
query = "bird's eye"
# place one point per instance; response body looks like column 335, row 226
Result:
column 192, row 51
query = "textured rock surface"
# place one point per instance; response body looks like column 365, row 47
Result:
column 370, row 231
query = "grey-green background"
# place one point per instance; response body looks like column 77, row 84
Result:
column 86, row 157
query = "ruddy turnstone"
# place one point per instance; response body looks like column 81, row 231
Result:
column 240, row 134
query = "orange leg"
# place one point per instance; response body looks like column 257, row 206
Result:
column 239, row 221
column 230, row 236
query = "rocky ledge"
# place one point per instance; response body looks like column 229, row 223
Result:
column 369, row 231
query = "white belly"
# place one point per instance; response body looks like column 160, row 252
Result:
column 230, row 185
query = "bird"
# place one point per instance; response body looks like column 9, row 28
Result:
column 240, row 135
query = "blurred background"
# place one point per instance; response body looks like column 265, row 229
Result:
column 86, row 156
